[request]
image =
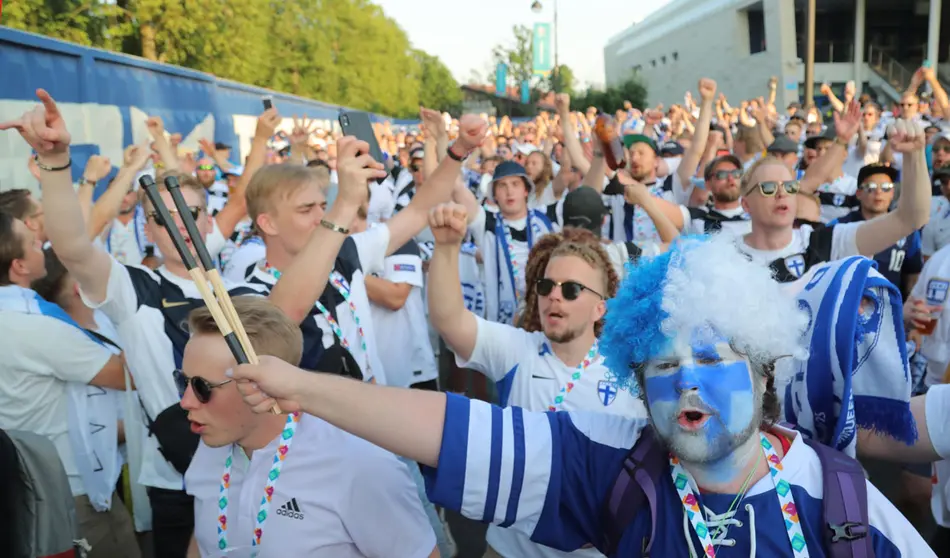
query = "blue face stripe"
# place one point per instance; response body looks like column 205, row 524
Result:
column 494, row 467
column 517, row 476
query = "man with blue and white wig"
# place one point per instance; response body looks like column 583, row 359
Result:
column 697, row 331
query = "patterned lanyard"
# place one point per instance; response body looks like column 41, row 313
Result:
column 286, row 438
column 339, row 283
column 509, row 249
column 592, row 355
column 782, row 489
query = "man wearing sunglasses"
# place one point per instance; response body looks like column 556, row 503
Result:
column 769, row 195
column 286, row 485
column 722, row 175
column 556, row 368
column 900, row 263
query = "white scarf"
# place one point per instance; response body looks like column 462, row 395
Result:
column 92, row 410
column 857, row 374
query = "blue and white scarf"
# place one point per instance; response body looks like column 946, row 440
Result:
column 857, row 374
column 92, row 411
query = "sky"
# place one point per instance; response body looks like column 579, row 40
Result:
column 462, row 34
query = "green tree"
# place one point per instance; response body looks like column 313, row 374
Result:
column 612, row 98
column 518, row 56
column 561, row 79
column 437, row 87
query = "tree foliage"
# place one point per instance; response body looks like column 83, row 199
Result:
column 345, row 52
column 612, row 98
column 519, row 56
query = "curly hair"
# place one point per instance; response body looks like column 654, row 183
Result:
column 571, row 241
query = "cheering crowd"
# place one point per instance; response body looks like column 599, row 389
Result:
column 662, row 333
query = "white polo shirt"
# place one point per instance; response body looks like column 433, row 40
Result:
column 337, row 496
column 530, row 376
column 406, row 337
column 933, row 285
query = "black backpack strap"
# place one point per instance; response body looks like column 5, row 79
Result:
column 636, row 482
column 633, row 251
column 844, row 503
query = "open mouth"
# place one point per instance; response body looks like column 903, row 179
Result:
column 691, row 419
column 197, row 427
column 781, row 208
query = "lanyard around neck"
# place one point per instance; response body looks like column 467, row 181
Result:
column 286, row 438
column 692, row 506
column 343, row 287
column 591, row 357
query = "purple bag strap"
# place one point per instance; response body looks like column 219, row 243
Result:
column 845, row 504
column 636, row 481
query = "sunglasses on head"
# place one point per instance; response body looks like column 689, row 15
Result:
column 201, row 387
column 872, row 187
column 569, row 289
column 154, row 215
column 723, row 174
column 206, row 167
column 770, row 187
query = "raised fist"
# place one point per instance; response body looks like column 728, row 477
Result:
column 448, row 222
column 707, row 89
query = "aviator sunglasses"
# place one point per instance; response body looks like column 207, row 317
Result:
column 569, row 289
column 201, row 387
column 193, row 209
column 872, row 187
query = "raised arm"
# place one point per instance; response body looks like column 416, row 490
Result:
column 707, row 91
column 236, row 208
column 161, row 145
column 439, row 187
column 44, row 128
column 437, row 140
column 832, row 98
column 667, row 217
column 913, row 206
column 572, row 144
column 447, row 312
column 827, row 167
column 302, row 283
column 109, row 203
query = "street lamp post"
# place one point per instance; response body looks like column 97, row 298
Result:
column 536, row 7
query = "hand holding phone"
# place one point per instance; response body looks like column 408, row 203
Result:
column 357, row 124
column 268, row 102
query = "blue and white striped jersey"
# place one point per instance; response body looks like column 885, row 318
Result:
column 548, row 474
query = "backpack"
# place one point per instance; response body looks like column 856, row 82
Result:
column 844, row 503
column 44, row 514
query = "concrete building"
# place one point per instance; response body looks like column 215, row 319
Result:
column 742, row 43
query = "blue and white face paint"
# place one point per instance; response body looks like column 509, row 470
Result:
column 704, row 398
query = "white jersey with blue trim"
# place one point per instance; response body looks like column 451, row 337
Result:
column 529, row 375
column 547, row 475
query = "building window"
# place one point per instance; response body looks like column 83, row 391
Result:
column 676, row 56
column 663, row 59
column 637, row 68
column 653, row 63
column 756, row 31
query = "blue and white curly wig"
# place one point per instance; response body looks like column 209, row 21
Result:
column 701, row 283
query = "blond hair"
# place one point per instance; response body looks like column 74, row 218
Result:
column 270, row 330
column 275, row 182
column 186, row 181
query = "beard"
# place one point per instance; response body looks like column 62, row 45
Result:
column 698, row 447
column 565, row 336
column 727, row 196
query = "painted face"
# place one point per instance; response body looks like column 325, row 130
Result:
column 701, row 397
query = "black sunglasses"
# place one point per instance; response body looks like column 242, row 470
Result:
column 569, row 289
column 723, row 174
column 770, row 188
column 872, row 187
column 201, row 387
column 415, row 168
column 193, row 209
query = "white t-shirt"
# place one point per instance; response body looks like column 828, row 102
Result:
column 737, row 222
column 126, row 241
column 243, row 259
column 405, row 342
column 933, row 285
column 150, row 312
column 620, row 255
column 938, row 425
column 337, row 496
column 936, row 233
column 217, row 196
column 530, row 376
column 361, row 254
column 629, row 222
column 808, row 246
column 838, row 193
column 382, row 201
column 500, row 302
column 42, row 354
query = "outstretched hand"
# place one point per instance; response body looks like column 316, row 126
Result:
column 43, row 128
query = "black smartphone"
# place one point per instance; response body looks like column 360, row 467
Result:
column 357, row 124
column 268, row 102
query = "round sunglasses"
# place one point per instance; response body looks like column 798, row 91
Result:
column 201, row 387
column 570, row 290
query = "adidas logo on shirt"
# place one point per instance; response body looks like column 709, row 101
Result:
column 290, row 509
